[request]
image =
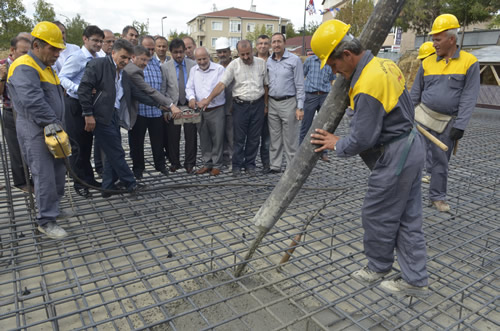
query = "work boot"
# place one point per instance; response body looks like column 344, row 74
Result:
column 366, row 275
column 52, row 230
column 426, row 179
column 441, row 205
column 399, row 286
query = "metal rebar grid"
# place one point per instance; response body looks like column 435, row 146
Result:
column 164, row 260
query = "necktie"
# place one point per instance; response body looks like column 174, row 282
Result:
column 182, row 86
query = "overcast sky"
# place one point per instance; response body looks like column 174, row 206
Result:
column 115, row 14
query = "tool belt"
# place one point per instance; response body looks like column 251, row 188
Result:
column 431, row 119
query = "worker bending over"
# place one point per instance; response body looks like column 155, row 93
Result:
column 382, row 129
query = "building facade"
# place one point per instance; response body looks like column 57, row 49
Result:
column 233, row 23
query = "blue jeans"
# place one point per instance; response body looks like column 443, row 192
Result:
column 115, row 166
column 312, row 104
column 247, row 124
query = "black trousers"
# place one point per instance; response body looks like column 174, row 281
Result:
column 81, row 142
column 16, row 161
column 172, row 140
column 154, row 126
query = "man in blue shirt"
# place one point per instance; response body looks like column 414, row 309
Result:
column 318, row 83
column 81, row 141
column 286, row 102
column 146, row 74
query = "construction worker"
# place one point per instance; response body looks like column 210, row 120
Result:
column 38, row 99
column 382, row 129
column 445, row 92
column 426, row 50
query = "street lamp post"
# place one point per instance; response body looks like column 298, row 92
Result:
column 164, row 17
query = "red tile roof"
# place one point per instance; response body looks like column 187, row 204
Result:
column 297, row 41
column 236, row 12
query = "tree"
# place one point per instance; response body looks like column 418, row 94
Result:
column 173, row 34
column 312, row 27
column 44, row 11
column 141, row 27
column 12, row 21
column 495, row 23
column 290, row 31
column 74, row 30
column 418, row 15
column 356, row 14
column 259, row 30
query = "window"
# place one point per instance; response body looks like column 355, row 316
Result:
column 235, row 26
column 270, row 27
column 233, row 41
column 217, row 26
column 251, row 27
column 213, row 42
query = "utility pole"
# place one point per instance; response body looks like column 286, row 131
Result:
column 372, row 37
column 164, row 17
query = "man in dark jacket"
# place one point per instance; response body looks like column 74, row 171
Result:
column 111, row 108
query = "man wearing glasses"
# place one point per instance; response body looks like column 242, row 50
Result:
column 70, row 76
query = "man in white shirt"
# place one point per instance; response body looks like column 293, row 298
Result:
column 202, row 79
column 70, row 75
column 249, row 98
column 70, row 48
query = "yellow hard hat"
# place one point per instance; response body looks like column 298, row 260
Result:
column 444, row 22
column 425, row 50
column 327, row 37
column 50, row 33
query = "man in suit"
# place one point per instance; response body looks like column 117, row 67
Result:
column 111, row 108
column 175, row 75
column 145, row 73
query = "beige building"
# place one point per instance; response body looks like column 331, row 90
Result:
column 233, row 23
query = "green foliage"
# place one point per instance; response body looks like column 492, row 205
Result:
column 419, row 15
column 44, row 11
column 495, row 23
column 174, row 34
column 12, row 21
column 259, row 30
column 312, row 27
column 290, row 31
column 141, row 27
column 356, row 15
column 74, row 30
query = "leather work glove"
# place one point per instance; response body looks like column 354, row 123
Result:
column 456, row 134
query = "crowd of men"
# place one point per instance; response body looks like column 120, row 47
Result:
column 145, row 84
column 256, row 100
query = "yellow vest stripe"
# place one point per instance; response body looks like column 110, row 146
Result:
column 47, row 75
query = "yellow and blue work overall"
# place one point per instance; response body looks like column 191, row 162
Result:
column 383, row 121
column 38, row 99
column 447, row 87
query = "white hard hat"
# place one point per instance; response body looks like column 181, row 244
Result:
column 221, row 43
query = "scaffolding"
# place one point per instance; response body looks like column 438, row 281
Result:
column 164, row 260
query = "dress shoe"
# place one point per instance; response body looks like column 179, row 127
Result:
column 266, row 169
column 189, row 170
column 82, row 191
column 324, row 157
column 164, row 171
column 274, row 171
column 95, row 183
column 137, row 188
column 236, row 172
column 203, row 170
column 138, row 175
column 214, row 172
column 174, row 168
column 251, row 172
